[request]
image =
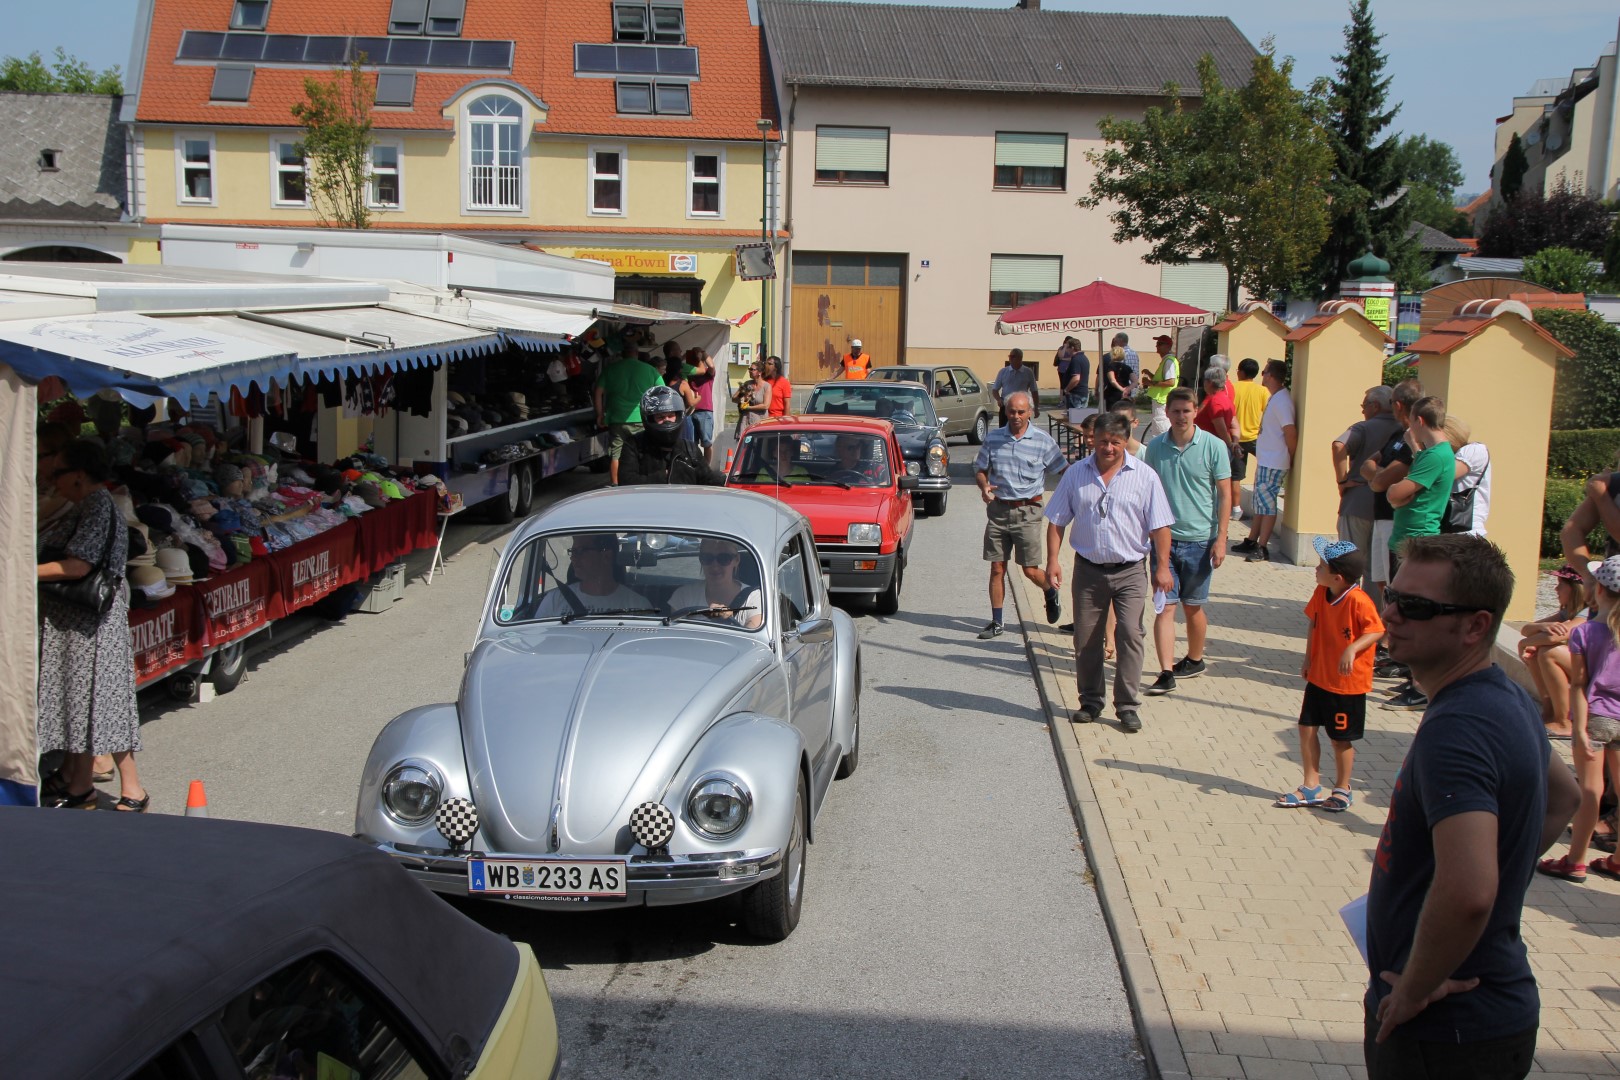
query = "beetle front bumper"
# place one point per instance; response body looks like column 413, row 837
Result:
column 650, row 880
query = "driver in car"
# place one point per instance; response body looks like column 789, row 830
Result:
column 595, row 590
column 848, row 449
column 720, row 590
column 782, row 464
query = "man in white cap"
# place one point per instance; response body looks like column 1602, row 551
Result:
column 857, row 362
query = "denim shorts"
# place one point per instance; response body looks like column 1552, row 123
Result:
column 1190, row 571
column 703, row 424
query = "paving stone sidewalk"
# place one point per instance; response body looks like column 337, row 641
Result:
column 1224, row 908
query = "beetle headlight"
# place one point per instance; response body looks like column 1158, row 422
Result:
column 718, row 806
column 411, row 792
column 865, row 532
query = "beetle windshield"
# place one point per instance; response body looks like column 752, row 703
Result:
column 903, row 404
column 607, row 574
column 837, row 458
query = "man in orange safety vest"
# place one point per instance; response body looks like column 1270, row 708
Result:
column 857, row 363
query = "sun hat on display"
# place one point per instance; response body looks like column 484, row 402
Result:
column 175, row 564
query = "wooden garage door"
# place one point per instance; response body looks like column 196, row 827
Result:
column 838, row 296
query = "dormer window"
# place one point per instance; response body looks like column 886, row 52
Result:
column 47, row 160
column 250, row 15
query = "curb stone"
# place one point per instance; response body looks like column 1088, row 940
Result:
column 1155, row 1029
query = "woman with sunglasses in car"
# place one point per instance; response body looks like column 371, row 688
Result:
column 720, row 590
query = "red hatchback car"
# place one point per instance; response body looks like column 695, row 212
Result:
column 846, row 475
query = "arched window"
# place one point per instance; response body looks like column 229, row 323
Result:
column 495, row 154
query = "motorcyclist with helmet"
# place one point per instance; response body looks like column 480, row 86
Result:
column 658, row 454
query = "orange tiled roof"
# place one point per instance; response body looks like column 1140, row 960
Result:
column 1560, row 301
column 1317, row 323
column 1476, row 203
column 731, row 93
column 1453, row 332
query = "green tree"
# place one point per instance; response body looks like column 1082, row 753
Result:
column 1586, row 388
column 68, row 75
column 1431, row 173
column 1369, row 211
column 1561, row 270
column 1514, row 165
column 1570, row 217
column 1238, row 180
column 336, row 117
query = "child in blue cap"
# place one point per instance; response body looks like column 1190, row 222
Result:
column 1338, row 673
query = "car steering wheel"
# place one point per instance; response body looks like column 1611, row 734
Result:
column 848, row 476
column 905, row 415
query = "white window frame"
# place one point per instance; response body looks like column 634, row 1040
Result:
column 277, row 170
column 180, row 140
column 719, row 154
column 591, row 176
column 522, row 126
column 398, row 146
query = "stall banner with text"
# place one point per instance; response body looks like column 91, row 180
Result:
column 165, row 635
column 309, row 571
column 237, row 602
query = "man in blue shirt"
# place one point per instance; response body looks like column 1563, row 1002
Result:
column 1120, row 517
column 1477, row 800
column 1195, row 467
column 1011, row 473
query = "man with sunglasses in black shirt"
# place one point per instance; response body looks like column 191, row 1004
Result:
column 1477, row 800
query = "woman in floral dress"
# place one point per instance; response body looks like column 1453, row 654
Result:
column 86, row 661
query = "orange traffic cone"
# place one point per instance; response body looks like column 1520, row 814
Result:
column 196, row 800
column 729, row 452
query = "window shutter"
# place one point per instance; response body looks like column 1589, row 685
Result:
column 1201, row 284
column 1025, row 273
column 1030, row 149
column 850, row 149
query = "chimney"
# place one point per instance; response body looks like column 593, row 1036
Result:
column 1030, row 5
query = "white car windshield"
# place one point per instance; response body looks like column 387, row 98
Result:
column 608, row 574
column 903, row 404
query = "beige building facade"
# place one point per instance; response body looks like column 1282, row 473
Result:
column 1570, row 130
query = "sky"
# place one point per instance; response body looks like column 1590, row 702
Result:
column 1456, row 67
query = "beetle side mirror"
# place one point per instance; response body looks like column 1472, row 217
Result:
column 814, row 631
column 908, row 483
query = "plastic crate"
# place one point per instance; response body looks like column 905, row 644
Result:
column 390, row 587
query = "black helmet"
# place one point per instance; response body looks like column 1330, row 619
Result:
column 661, row 400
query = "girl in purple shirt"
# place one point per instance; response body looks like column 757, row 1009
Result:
column 1594, row 713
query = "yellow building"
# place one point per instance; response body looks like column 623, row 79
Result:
column 628, row 133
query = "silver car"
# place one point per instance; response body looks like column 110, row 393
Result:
column 657, row 701
column 964, row 403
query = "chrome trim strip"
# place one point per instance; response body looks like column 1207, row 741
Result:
column 641, row 871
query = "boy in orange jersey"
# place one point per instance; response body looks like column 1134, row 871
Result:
column 1337, row 672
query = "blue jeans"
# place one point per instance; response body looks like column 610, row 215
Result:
column 1191, row 568
column 703, row 425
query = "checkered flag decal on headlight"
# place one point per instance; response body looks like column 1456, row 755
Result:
column 457, row 820
column 652, row 825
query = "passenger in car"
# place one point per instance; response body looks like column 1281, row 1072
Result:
column 721, row 589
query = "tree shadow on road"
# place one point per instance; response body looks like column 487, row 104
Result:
column 958, row 701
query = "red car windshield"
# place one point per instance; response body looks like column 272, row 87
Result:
column 836, row 458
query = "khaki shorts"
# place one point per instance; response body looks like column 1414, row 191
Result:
column 622, row 433
column 1014, row 534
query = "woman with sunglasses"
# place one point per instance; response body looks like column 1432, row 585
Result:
column 86, row 660
column 720, row 588
column 1594, row 714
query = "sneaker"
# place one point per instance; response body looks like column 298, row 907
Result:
column 1411, row 699
column 1165, row 683
column 1054, row 605
column 1085, row 714
column 1066, row 628
column 991, row 629
column 1244, row 546
column 1188, row 668
column 1391, row 669
column 1129, row 721
column 1261, row 553
column 1237, row 512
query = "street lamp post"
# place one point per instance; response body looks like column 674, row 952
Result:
column 764, row 126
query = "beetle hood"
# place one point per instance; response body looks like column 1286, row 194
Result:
column 595, row 716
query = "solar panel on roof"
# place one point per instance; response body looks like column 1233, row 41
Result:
column 450, row 53
column 200, row 45
column 635, row 60
column 408, row 52
column 326, row 50
column 284, row 48
column 323, row 50
column 491, row 54
column 374, row 49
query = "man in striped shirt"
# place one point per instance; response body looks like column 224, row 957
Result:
column 1120, row 515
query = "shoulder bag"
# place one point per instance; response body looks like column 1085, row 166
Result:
column 1459, row 515
column 96, row 591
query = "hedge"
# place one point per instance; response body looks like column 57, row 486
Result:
column 1586, row 390
column 1562, row 497
column 1577, row 455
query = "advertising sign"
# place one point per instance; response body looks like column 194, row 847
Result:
column 236, row 603
column 162, row 635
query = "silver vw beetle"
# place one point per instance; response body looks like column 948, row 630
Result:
column 656, row 704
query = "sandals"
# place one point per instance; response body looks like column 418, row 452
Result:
column 103, row 777
column 1561, row 867
column 1301, row 796
column 85, row 801
column 1339, row 801
column 1607, row 867
column 133, row 806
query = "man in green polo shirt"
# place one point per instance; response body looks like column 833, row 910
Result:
column 1194, row 467
column 1420, row 501
column 618, row 403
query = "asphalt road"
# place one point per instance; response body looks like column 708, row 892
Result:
column 949, row 927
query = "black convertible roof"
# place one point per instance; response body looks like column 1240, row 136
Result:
column 123, row 931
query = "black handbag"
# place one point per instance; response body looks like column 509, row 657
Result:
column 1459, row 515
column 97, row 590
